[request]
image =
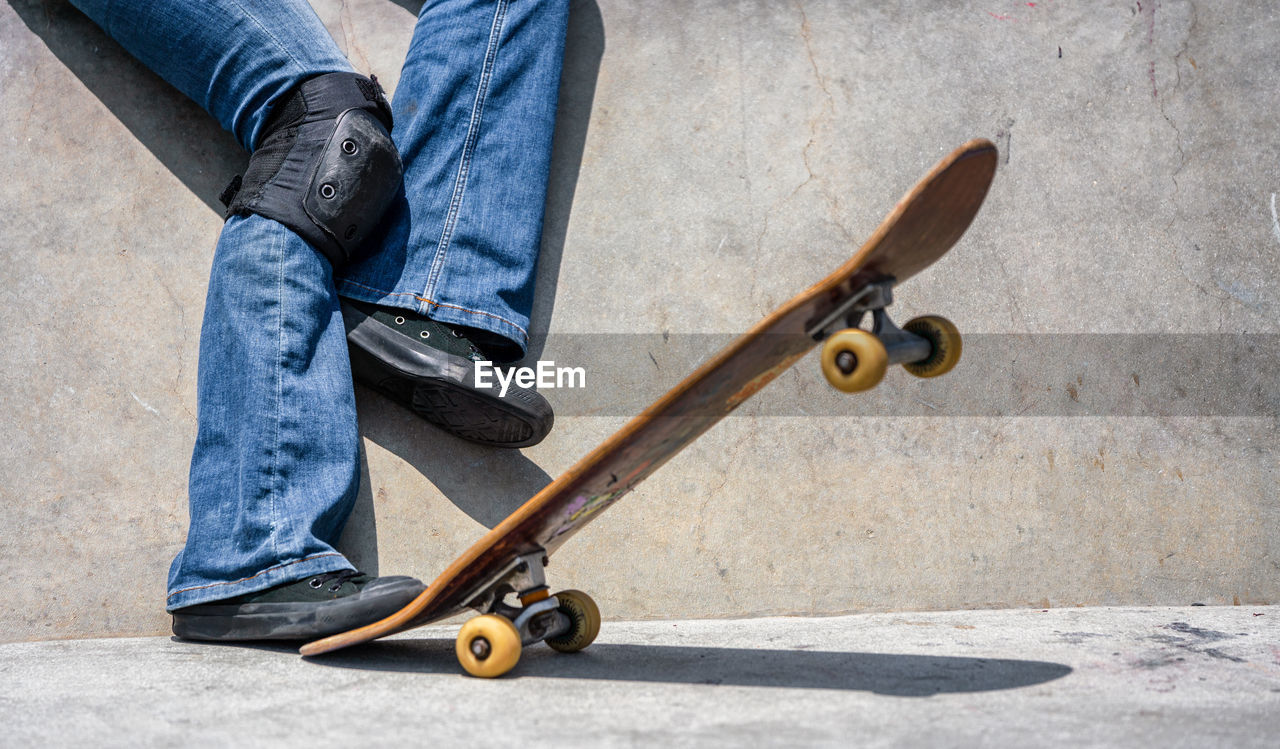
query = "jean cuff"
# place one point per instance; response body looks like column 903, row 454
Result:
column 280, row 574
column 441, row 312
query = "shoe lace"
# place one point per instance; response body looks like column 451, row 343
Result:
column 335, row 578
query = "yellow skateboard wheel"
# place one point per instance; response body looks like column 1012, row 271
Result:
column 584, row 616
column 944, row 338
column 854, row 360
column 488, row 646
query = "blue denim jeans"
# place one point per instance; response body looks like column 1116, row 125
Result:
column 275, row 467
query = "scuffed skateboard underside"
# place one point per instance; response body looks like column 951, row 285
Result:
column 923, row 226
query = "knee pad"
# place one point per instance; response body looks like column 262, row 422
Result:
column 325, row 165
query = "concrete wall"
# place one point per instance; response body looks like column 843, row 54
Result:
column 1110, row 437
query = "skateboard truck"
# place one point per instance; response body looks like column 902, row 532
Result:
column 490, row 644
column 854, row 359
column 537, row 617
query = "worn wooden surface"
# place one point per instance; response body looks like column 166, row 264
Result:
column 923, row 226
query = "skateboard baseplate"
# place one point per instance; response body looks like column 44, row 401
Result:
column 502, row 575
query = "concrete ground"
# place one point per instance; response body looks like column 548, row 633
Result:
column 1168, row 677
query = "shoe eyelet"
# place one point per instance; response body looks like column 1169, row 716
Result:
column 335, row 588
column 425, row 334
column 456, row 333
column 399, row 320
column 315, row 582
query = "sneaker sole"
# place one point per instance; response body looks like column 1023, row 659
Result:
column 291, row 621
column 440, row 388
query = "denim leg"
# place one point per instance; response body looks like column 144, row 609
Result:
column 474, row 114
column 232, row 57
column 276, row 463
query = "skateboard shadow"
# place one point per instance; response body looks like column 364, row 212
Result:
column 879, row 673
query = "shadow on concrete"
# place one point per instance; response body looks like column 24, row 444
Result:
column 282, row 647
column 413, row 6
column 484, row 482
column 359, row 539
column 204, row 157
column 583, row 50
column 180, row 134
column 879, row 673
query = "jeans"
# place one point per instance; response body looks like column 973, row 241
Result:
column 275, row 468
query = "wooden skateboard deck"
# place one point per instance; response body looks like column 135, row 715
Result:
column 923, row 226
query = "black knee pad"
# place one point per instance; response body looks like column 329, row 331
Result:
column 325, row 165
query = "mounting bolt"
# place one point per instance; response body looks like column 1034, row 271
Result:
column 481, row 648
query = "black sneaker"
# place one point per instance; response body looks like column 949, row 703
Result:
column 318, row 606
column 429, row 368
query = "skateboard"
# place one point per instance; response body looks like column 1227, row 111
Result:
column 502, row 575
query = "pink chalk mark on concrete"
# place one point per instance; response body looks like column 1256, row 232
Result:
column 1011, row 19
column 1149, row 13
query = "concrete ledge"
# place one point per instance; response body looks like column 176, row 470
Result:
column 1191, row 676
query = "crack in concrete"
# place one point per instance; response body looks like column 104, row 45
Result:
column 182, row 325
column 828, row 108
column 1148, row 14
column 1177, row 86
column 825, row 112
column 1015, row 308
column 722, row 572
column 701, row 531
column 37, row 74
column 1161, row 105
column 746, row 157
column 1220, row 294
column 345, row 23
